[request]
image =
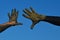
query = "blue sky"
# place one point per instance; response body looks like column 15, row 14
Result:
column 42, row 31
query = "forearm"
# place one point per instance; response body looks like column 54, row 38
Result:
column 53, row 19
column 3, row 27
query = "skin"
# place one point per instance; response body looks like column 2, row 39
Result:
column 12, row 21
column 36, row 18
column 32, row 15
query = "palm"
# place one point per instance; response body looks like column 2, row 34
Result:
column 32, row 15
column 13, row 17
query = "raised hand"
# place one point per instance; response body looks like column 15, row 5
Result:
column 32, row 15
column 13, row 16
column 12, row 20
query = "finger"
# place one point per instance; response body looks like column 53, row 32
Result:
column 32, row 26
column 34, row 23
column 26, row 16
column 8, row 14
column 27, row 12
column 16, row 16
column 17, row 12
column 13, row 12
column 32, row 9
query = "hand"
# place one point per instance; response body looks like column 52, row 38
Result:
column 13, row 17
column 12, row 21
column 32, row 15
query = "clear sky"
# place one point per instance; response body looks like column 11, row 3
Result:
column 42, row 31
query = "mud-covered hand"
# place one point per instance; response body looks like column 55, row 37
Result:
column 12, row 21
column 13, row 16
column 32, row 15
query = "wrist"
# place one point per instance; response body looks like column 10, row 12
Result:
column 42, row 17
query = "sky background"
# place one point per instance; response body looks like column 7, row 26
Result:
column 42, row 31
